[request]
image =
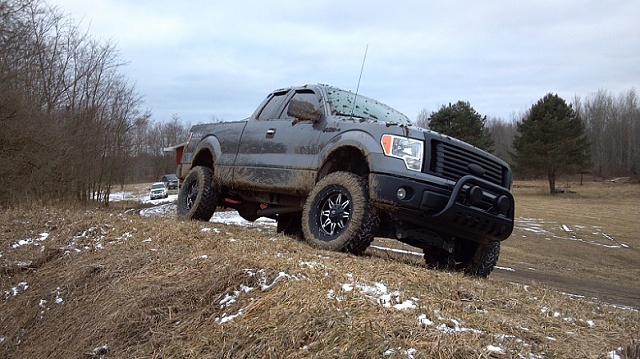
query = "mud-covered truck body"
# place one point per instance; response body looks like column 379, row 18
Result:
column 338, row 169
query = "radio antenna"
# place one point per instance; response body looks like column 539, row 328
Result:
column 359, row 78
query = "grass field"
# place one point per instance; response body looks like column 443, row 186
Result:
column 99, row 283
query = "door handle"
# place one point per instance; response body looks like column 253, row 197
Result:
column 271, row 132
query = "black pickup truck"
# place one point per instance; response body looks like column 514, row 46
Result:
column 339, row 169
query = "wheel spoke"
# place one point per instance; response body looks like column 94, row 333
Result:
column 326, row 224
column 330, row 203
column 334, row 212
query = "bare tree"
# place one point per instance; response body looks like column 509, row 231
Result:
column 502, row 133
column 423, row 118
column 613, row 128
column 66, row 114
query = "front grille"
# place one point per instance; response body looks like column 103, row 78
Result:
column 452, row 162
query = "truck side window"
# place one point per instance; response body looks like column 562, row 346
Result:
column 307, row 96
column 269, row 110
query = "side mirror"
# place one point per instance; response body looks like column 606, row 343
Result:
column 303, row 111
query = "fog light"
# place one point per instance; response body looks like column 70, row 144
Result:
column 474, row 194
column 401, row 193
column 502, row 204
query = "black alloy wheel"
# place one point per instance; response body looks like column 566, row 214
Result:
column 198, row 197
column 337, row 215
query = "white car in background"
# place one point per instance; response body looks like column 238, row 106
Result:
column 159, row 190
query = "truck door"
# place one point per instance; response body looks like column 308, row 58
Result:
column 288, row 148
column 247, row 166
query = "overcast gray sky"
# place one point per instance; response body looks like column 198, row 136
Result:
column 199, row 59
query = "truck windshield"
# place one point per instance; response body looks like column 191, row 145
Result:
column 342, row 103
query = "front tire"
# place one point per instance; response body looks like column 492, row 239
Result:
column 337, row 215
column 471, row 257
column 198, row 197
column 484, row 260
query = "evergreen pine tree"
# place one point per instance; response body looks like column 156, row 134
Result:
column 551, row 141
column 461, row 121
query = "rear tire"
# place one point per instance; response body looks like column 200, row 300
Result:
column 337, row 215
column 290, row 224
column 198, row 197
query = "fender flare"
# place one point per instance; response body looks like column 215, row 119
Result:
column 361, row 140
column 211, row 144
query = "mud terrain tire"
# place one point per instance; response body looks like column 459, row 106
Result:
column 337, row 215
column 484, row 260
column 198, row 197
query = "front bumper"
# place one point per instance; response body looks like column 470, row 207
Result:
column 473, row 208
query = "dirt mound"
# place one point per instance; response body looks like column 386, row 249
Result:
column 102, row 284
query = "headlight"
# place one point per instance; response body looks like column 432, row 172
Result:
column 407, row 149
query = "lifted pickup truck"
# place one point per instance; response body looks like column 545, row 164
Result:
column 339, row 169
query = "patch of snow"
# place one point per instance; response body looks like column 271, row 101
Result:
column 28, row 241
column 227, row 318
column 58, row 299
column 379, row 293
column 544, row 310
column 122, row 196
column 444, row 328
column 231, row 298
column 536, row 225
column 397, row 250
column 409, row 353
column 494, row 349
column 331, row 295
column 103, row 349
column 313, row 264
column 591, row 323
column 172, row 198
column 505, row 268
column 14, row 291
column 232, row 217
column 423, row 320
column 43, row 307
column 167, row 209
column 613, row 355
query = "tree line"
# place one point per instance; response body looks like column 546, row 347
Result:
column 71, row 125
column 604, row 128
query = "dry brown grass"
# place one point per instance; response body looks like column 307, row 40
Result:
column 599, row 255
column 156, row 287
